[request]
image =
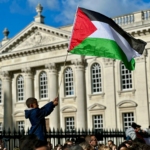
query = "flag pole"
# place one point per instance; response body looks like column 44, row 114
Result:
column 66, row 55
column 62, row 74
column 115, row 93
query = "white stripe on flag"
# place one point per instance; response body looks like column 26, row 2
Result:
column 107, row 32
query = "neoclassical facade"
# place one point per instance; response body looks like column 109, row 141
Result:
column 93, row 92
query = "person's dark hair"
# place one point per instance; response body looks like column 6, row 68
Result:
column 76, row 147
column 27, row 142
column 121, row 145
column 30, row 101
column 40, row 143
column 80, row 140
column 111, row 141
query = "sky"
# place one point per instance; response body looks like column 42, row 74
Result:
column 15, row 15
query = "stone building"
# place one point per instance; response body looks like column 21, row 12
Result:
column 93, row 92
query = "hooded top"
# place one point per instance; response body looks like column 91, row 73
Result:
column 37, row 119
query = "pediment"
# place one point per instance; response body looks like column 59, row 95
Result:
column 127, row 104
column 96, row 106
column 34, row 36
column 37, row 39
column 68, row 109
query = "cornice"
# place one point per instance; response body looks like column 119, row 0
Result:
column 31, row 51
column 140, row 32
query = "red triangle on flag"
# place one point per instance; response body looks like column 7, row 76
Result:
column 83, row 27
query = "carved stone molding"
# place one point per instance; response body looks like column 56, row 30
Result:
column 128, row 91
column 140, row 59
column 71, row 98
column 108, row 62
column 32, row 51
column 78, row 63
column 27, row 71
column 68, row 109
column 101, row 95
column 96, row 106
column 6, row 75
column 52, row 67
column 127, row 104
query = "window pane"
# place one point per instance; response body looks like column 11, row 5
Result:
column 97, row 121
column 128, row 118
column 96, row 78
column 20, row 125
column 20, row 88
column 69, row 89
column 126, row 78
column 43, row 85
column 69, row 123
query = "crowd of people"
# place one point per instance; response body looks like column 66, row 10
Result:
column 90, row 142
column 136, row 138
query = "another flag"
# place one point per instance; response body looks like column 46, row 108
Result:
column 94, row 34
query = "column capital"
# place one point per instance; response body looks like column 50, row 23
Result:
column 51, row 67
column 28, row 71
column 79, row 63
column 6, row 75
column 108, row 62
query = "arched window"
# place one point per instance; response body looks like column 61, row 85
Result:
column 69, row 90
column 20, row 88
column 126, row 78
column 96, row 78
column 0, row 91
column 43, row 85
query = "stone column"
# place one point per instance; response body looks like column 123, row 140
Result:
column 29, row 88
column 53, row 93
column 7, row 100
column 80, row 93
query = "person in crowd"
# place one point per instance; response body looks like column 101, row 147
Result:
column 134, row 132
column 93, row 142
column 110, row 144
column 122, row 146
column 114, row 147
column 58, row 147
column 31, row 142
column 85, row 146
column 76, row 147
column 50, row 146
column 37, row 116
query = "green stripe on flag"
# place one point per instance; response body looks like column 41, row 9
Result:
column 103, row 48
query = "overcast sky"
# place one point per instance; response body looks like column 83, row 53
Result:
column 17, row 14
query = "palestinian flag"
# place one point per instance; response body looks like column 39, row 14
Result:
column 94, row 34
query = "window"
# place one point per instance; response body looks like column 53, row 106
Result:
column 126, row 78
column 128, row 118
column 20, row 88
column 69, row 90
column 0, row 91
column 43, row 85
column 96, row 78
column 20, row 125
column 1, row 127
column 97, row 121
column 69, row 123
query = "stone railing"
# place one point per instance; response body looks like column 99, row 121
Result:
column 133, row 17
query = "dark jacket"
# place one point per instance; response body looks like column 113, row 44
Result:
column 37, row 119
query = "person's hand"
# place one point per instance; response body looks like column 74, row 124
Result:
column 55, row 101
